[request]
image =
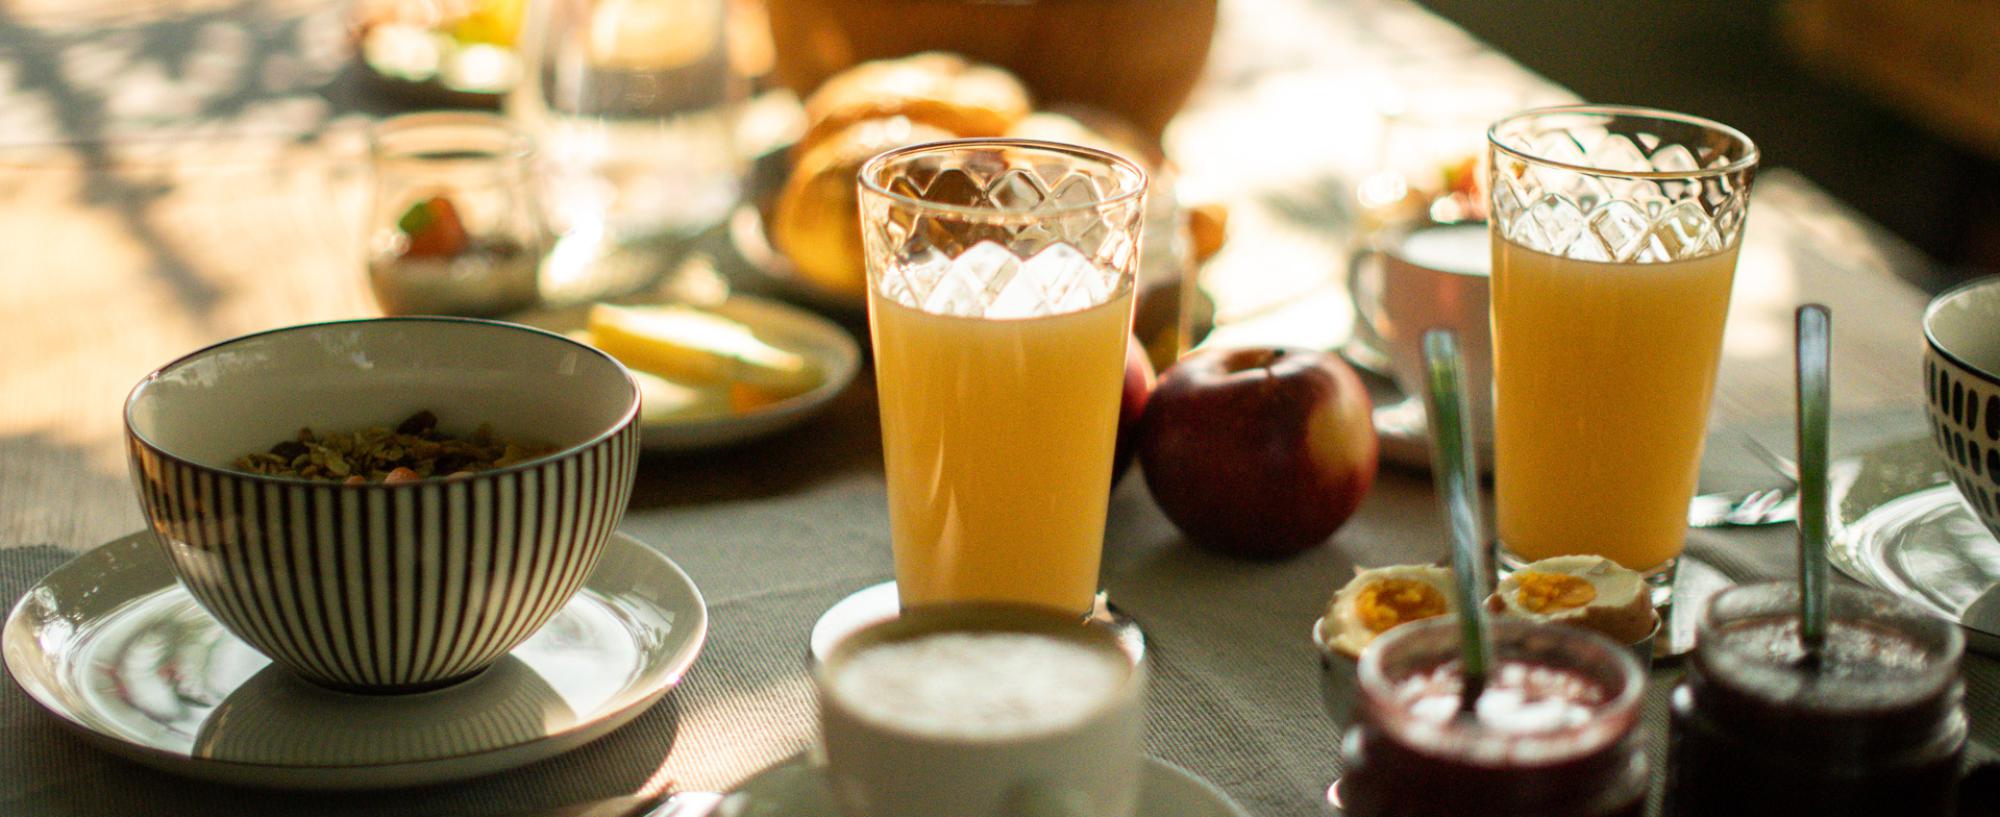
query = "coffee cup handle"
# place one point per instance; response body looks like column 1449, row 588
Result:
column 1365, row 290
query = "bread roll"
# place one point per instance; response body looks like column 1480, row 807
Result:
column 941, row 90
column 816, row 222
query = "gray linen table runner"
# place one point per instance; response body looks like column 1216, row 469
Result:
column 776, row 532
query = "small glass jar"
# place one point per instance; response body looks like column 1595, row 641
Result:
column 455, row 229
column 1876, row 726
column 1556, row 734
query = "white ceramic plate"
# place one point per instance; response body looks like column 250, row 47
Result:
column 796, row 788
column 788, row 327
column 112, row 644
column 1900, row 525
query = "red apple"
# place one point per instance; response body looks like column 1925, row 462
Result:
column 1258, row 452
column 1139, row 381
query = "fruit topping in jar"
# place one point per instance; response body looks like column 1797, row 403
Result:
column 433, row 229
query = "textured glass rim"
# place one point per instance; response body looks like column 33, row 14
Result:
column 1743, row 164
column 872, row 170
column 507, row 140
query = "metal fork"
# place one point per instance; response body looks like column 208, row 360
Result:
column 1761, row 506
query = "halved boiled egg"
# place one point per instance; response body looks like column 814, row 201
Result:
column 1379, row 599
column 1591, row 592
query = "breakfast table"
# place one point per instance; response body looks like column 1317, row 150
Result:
column 176, row 174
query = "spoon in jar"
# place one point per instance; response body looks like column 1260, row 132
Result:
column 1457, row 480
column 1815, row 329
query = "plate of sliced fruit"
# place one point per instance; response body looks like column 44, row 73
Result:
column 716, row 375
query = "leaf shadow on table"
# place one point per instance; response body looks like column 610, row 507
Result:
column 1315, row 204
column 112, row 85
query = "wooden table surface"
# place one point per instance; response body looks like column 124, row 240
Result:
column 142, row 236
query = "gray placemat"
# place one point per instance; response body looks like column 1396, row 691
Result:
column 775, row 533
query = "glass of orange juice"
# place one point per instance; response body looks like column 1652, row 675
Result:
column 1000, row 280
column 1614, row 233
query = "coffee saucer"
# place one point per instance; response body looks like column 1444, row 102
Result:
column 1901, row 526
column 1405, row 435
column 1400, row 427
column 114, row 646
column 797, row 788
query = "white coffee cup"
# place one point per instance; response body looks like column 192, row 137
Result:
column 982, row 710
column 1412, row 279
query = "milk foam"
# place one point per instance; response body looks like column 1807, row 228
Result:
column 979, row 686
column 1461, row 249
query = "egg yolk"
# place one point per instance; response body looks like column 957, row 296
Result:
column 1553, row 592
column 1389, row 602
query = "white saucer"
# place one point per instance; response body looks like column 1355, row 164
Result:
column 1400, row 427
column 795, row 788
column 782, row 325
column 1405, row 435
column 1900, row 525
column 112, row 644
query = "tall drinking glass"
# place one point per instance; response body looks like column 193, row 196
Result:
column 1000, row 299
column 1615, row 233
column 634, row 106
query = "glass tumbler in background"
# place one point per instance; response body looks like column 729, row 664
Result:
column 1430, row 152
column 455, row 228
column 1614, row 234
column 1001, row 278
column 634, row 104
column 1421, row 255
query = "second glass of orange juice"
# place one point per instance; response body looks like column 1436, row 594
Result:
column 1000, row 300
column 1615, row 232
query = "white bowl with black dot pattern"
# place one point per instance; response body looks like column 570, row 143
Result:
column 1962, row 391
column 385, row 587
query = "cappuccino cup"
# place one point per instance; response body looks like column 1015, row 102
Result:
column 1413, row 278
column 982, row 710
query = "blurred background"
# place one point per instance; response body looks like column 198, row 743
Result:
column 1886, row 104
column 1890, row 105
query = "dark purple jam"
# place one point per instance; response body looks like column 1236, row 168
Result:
column 1542, row 743
column 1873, row 727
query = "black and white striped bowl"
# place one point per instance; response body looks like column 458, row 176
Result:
column 384, row 587
column 1962, row 391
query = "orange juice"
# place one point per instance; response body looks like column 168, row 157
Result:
column 997, row 438
column 1603, row 378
